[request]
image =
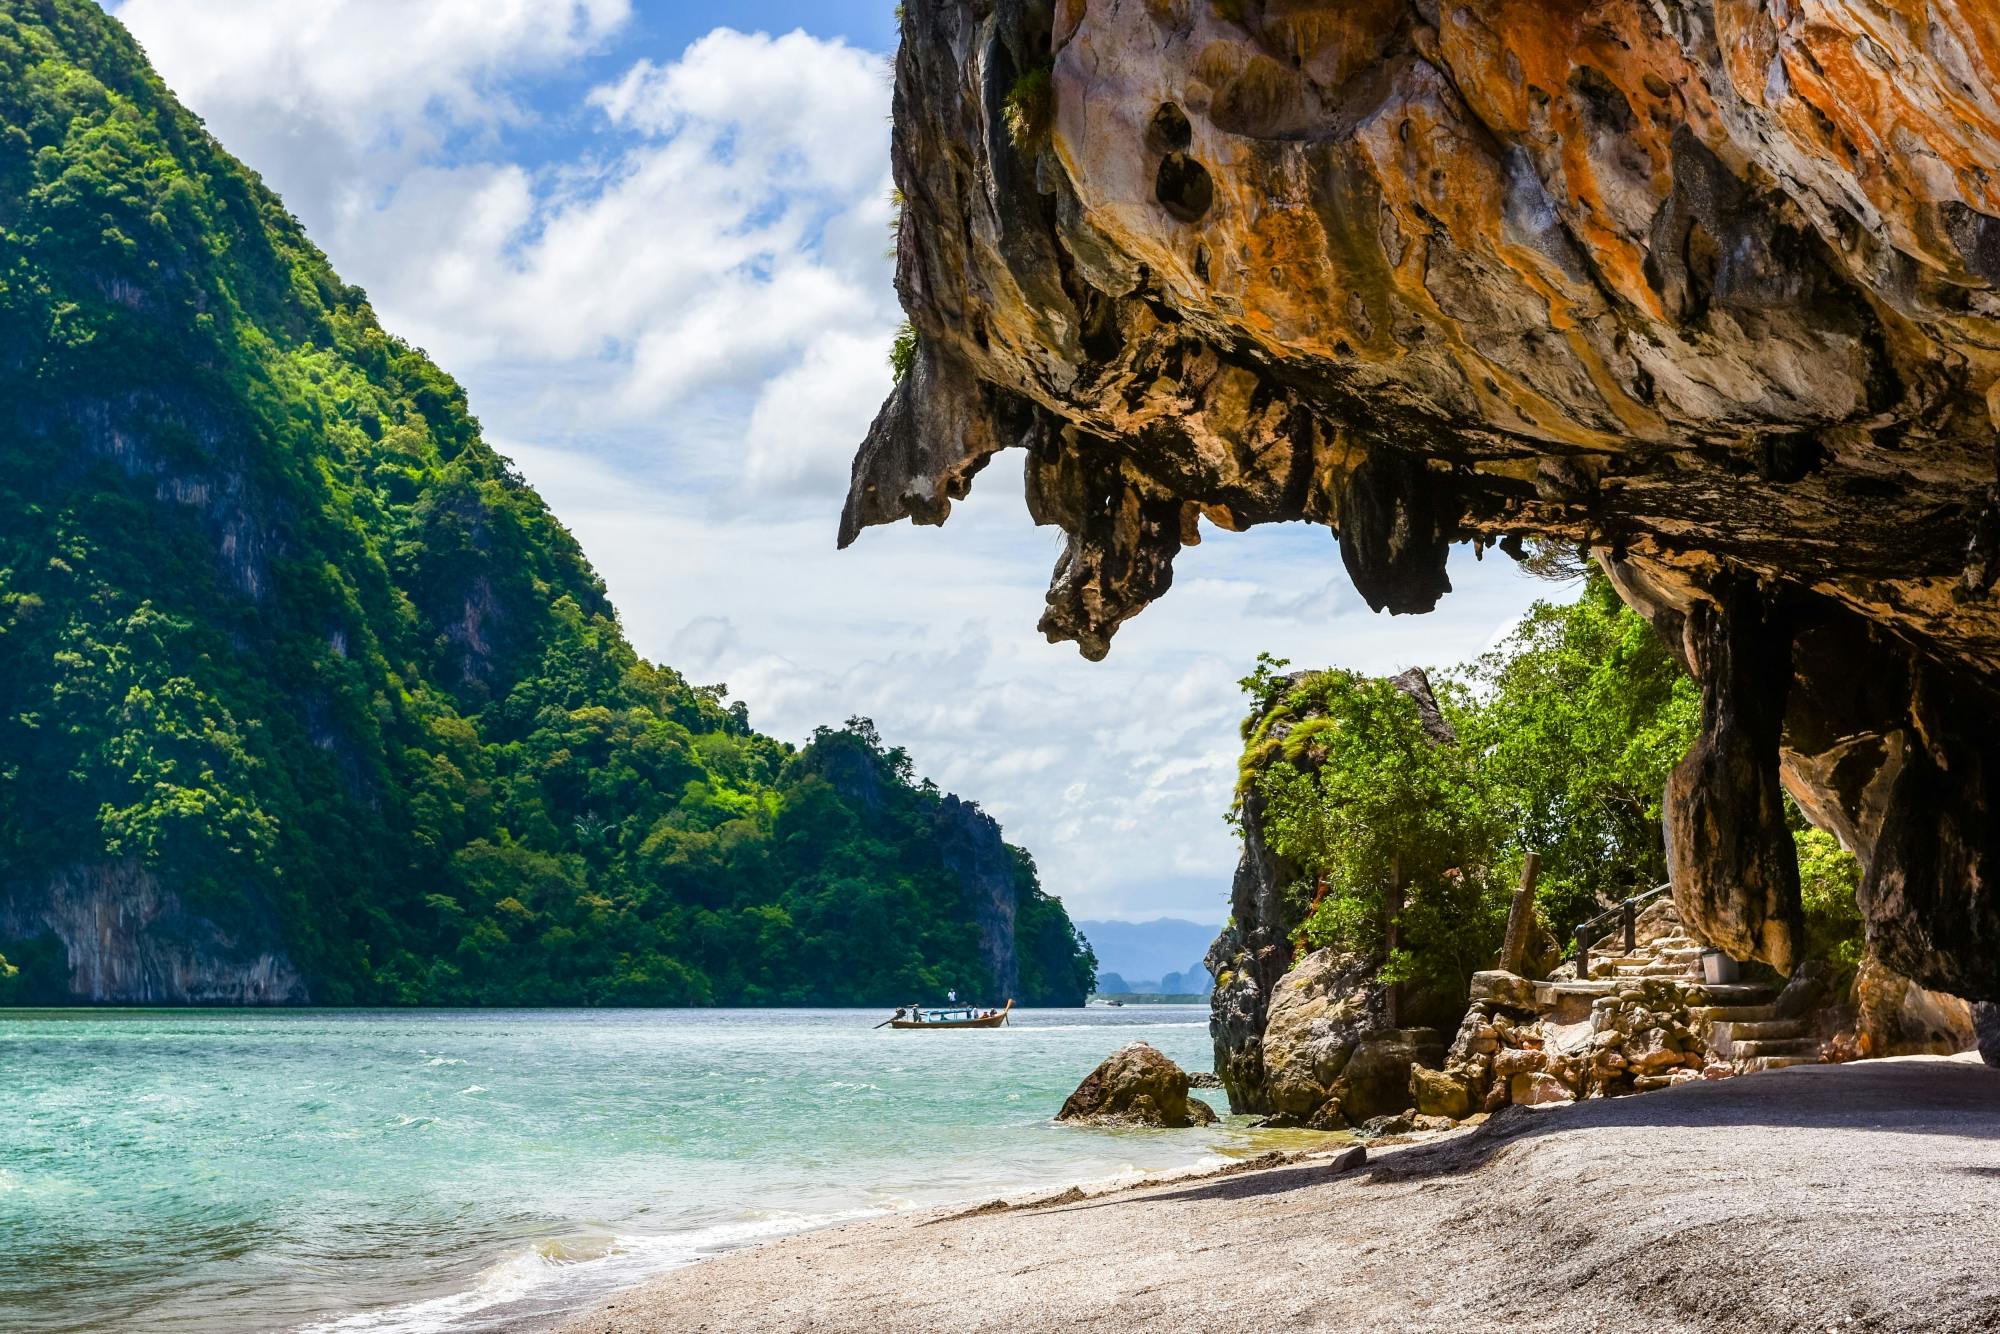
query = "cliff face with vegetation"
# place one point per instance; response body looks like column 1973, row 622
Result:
column 1707, row 286
column 1385, row 823
column 305, row 694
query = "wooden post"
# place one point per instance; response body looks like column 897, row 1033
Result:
column 1521, row 917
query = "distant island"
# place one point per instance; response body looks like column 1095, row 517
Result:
column 1161, row 957
column 311, row 699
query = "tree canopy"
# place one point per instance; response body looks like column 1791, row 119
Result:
column 1559, row 743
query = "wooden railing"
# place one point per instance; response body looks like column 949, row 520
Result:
column 1626, row 912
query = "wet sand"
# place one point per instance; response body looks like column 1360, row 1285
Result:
column 1856, row 1197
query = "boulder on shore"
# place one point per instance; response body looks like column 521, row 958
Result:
column 1439, row 1094
column 1136, row 1086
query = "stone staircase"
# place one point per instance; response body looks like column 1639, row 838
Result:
column 1673, row 956
column 1739, row 1020
column 1753, row 1037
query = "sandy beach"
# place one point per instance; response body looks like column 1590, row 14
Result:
column 1855, row 1197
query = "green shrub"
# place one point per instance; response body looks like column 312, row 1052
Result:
column 903, row 351
column 1031, row 109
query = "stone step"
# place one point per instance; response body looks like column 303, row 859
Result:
column 1733, row 1014
column 1741, row 1030
column 1775, row 1062
column 1730, row 993
column 1757, row 1048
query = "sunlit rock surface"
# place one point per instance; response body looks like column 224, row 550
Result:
column 1708, row 285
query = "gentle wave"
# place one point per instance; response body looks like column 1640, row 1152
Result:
column 556, row 1274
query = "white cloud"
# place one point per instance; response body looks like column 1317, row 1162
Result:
column 809, row 418
column 710, row 236
column 793, row 104
column 328, row 97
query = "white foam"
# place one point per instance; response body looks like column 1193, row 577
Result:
column 555, row 1274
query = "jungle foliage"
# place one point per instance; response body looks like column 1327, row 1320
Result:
column 1565, row 735
column 277, row 623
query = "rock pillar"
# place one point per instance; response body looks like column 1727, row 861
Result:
column 1734, row 866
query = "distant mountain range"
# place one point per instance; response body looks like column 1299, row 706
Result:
column 1161, row 957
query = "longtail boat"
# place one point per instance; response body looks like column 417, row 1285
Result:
column 951, row 1016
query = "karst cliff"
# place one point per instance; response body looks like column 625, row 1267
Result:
column 1708, row 286
column 305, row 694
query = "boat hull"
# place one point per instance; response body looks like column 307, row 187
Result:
column 984, row 1021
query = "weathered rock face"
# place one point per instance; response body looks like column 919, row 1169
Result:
column 1247, row 960
column 1329, row 1057
column 1136, row 1085
column 970, row 843
column 130, row 942
column 1896, row 1017
column 1708, row 286
column 1319, row 1013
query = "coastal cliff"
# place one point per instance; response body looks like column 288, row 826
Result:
column 308, row 694
column 1708, row 288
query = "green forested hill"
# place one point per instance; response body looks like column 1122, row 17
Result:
column 282, row 639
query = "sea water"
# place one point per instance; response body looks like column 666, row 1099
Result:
column 460, row 1170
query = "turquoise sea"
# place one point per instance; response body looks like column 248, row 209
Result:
column 457, row 1170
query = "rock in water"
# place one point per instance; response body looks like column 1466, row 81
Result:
column 1203, row 1079
column 1136, row 1086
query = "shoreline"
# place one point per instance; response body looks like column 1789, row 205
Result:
column 1854, row 1196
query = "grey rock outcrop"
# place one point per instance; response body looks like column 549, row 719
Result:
column 128, row 941
column 972, row 848
column 1986, row 1024
column 1329, row 1056
column 1136, row 1085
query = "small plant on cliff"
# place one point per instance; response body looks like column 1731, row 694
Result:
column 1031, row 109
column 903, row 351
column 897, row 203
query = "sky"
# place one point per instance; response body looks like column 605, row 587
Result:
column 650, row 238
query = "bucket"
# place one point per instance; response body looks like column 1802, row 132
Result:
column 1717, row 968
